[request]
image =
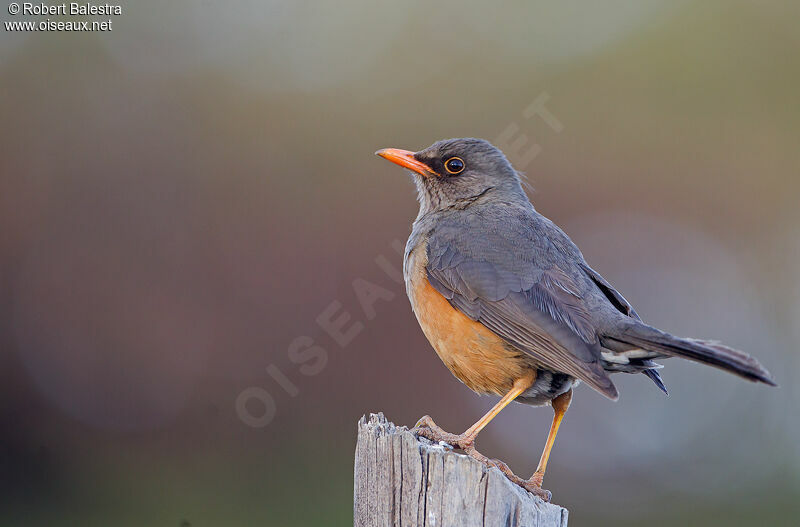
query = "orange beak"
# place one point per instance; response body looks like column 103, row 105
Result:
column 406, row 159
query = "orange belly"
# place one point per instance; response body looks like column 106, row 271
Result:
column 474, row 354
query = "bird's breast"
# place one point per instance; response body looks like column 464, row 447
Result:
column 474, row 354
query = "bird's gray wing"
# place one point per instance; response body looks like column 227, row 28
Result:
column 523, row 296
column 610, row 293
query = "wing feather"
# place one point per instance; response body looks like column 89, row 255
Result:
column 542, row 314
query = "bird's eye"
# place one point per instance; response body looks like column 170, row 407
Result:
column 454, row 165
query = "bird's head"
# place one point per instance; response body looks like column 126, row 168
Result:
column 457, row 172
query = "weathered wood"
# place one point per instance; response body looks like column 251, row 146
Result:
column 404, row 481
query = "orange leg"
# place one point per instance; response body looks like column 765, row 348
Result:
column 466, row 441
column 560, row 405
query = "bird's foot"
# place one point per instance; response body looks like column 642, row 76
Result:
column 425, row 427
column 534, row 486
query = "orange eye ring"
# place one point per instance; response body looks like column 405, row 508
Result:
column 454, row 165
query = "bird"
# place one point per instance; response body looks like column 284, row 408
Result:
column 511, row 307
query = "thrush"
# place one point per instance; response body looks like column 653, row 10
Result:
column 509, row 303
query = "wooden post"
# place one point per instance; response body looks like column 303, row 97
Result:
column 404, row 481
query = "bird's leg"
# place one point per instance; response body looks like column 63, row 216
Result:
column 534, row 484
column 425, row 427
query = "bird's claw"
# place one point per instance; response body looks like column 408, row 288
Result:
column 532, row 485
column 427, row 428
column 500, row 465
column 424, row 421
column 538, row 491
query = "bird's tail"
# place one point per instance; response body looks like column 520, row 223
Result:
column 642, row 336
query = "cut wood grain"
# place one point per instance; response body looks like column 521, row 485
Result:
column 401, row 480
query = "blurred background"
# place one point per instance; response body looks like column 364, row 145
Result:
column 184, row 197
